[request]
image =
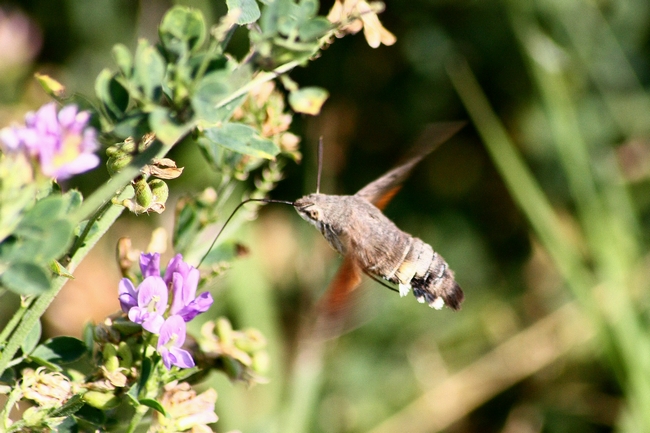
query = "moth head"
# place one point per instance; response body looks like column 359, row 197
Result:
column 310, row 208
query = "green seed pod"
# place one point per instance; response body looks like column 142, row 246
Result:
column 111, row 362
column 116, row 163
column 112, row 151
column 101, row 400
column 143, row 194
column 160, row 191
column 125, row 354
column 128, row 146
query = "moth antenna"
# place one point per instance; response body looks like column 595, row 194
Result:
column 320, row 163
column 263, row 200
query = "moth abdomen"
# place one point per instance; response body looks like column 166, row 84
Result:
column 428, row 275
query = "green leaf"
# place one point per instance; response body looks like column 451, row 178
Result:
column 135, row 125
column 70, row 407
column 182, row 30
column 145, row 373
column 307, row 9
column 73, row 199
column 91, row 415
column 166, row 129
column 68, row 425
column 308, row 100
column 111, row 93
column 288, row 22
column 242, row 139
column 25, row 279
column 313, row 29
column 42, row 244
column 8, row 377
column 249, row 10
column 148, row 70
column 48, row 209
column 32, row 339
column 60, row 350
column 272, row 14
column 124, row 59
column 153, row 404
column 212, row 89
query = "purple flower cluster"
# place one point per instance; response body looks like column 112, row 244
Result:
column 147, row 304
column 62, row 142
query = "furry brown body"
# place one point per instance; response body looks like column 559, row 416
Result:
column 359, row 231
column 371, row 243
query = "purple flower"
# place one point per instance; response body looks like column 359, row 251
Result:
column 127, row 295
column 150, row 265
column 152, row 303
column 170, row 341
column 184, row 280
column 63, row 143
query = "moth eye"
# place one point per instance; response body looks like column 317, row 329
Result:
column 314, row 214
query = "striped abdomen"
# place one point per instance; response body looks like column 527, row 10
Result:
column 428, row 275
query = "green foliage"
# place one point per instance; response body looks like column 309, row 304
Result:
column 43, row 234
column 59, row 350
column 249, row 11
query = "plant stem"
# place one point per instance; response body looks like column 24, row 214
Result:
column 261, row 78
column 15, row 319
column 140, row 411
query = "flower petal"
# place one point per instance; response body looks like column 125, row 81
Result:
column 127, row 295
column 150, row 265
column 199, row 305
column 181, row 358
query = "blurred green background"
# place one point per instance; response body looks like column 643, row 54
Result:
column 540, row 205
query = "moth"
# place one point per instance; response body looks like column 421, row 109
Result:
column 372, row 244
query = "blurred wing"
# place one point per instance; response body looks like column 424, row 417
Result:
column 336, row 304
column 381, row 191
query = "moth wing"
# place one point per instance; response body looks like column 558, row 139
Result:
column 381, row 191
column 336, row 304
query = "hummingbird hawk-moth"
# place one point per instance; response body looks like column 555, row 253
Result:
column 372, row 244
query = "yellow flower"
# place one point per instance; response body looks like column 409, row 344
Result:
column 353, row 15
